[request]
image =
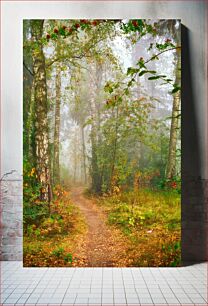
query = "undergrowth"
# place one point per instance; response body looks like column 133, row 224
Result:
column 51, row 240
column 152, row 222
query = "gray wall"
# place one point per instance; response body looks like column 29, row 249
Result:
column 194, row 109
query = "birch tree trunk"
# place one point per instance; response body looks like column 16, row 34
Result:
column 171, row 164
column 41, row 109
column 56, row 165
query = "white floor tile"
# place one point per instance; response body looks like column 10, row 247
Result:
column 185, row 285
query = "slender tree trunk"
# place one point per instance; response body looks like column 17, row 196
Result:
column 94, row 164
column 95, row 108
column 27, row 93
column 41, row 109
column 31, row 125
column 56, row 165
column 83, row 153
column 75, row 156
column 27, row 103
column 93, row 137
column 171, row 164
column 75, row 167
column 114, row 151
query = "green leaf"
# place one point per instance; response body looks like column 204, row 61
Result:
column 130, row 83
column 177, row 246
column 155, row 57
column 131, row 70
column 154, row 77
column 54, row 36
column 162, row 46
column 176, row 89
column 141, row 63
column 150, row 47
column 143, row 72
column 110, row 89
column 140, row 22
column 147, row 71
column 62, row 32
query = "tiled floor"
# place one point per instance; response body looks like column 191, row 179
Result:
column 103, row 286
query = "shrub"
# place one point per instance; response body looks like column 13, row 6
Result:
column 33, row 209
column 60, row 253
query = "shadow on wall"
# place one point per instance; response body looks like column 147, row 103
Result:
column 194, row 203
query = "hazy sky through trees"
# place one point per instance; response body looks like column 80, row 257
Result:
column 127, row 55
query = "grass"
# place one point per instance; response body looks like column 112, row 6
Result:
column 152, row 222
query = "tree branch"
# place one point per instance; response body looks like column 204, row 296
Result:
column 28, row 69
column 65, row 58
column 158, row 54
column 75, row 56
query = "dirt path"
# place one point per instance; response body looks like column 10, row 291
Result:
column 103, row 246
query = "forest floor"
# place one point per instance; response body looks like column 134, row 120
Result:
column 123, row 230
column 80, row 238
column 104, row 245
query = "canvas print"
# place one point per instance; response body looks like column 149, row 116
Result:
column 101, row 142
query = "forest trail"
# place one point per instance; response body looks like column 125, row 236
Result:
column 103, row 246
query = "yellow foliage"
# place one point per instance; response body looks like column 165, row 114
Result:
column 32, row 172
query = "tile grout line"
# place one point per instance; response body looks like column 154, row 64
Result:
column 69, row 285
column 135, row 285
column 123, row 285
column 147, row 286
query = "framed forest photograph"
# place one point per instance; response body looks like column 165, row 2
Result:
column 102, row 142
